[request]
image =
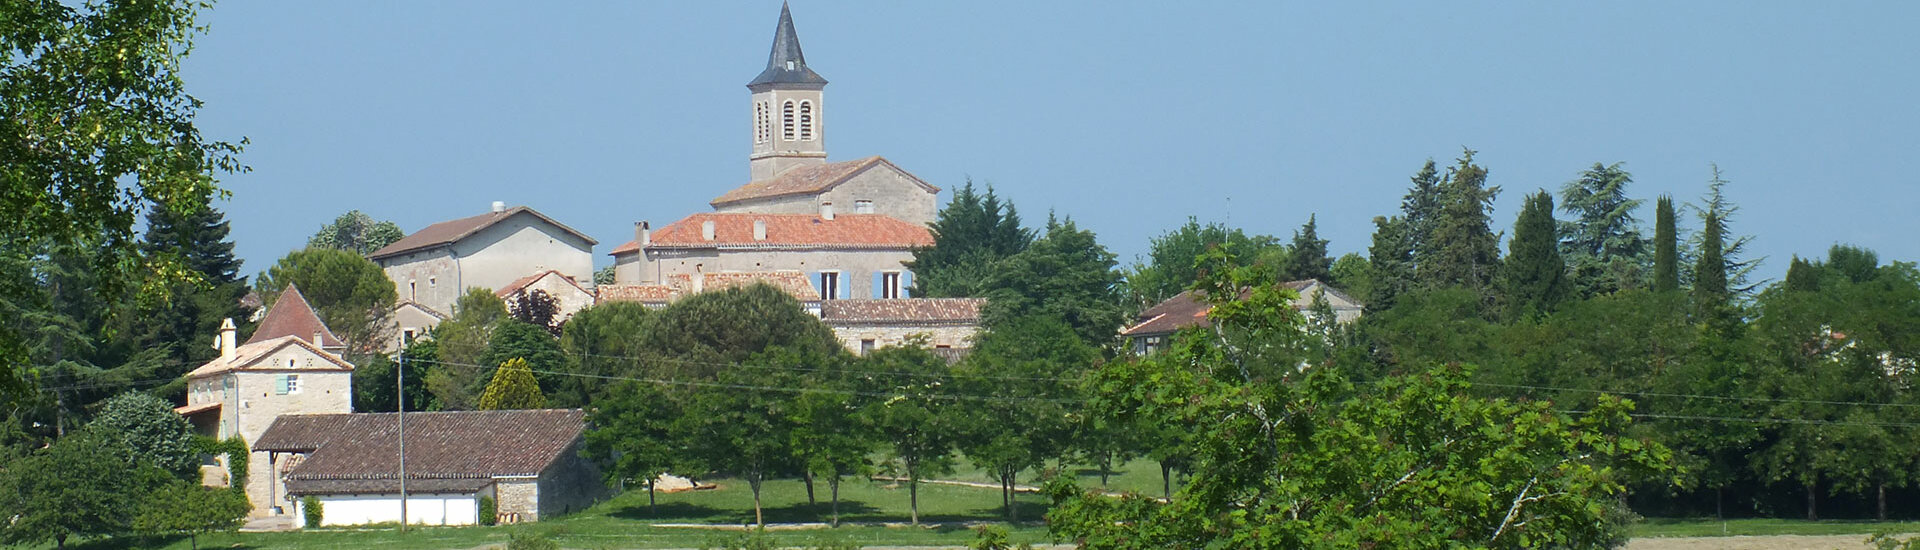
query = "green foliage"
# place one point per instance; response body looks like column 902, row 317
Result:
column 1420, row 208
column 747, row 431
column 1066, row 274
column 1307, row 258
column 312, row 511
column 1169, row 268
column 532, row 344
column 1390, row 263
column 603, row 276
column 237, row 455
column 529, row 540
column 970, row 234
column 1031, row 365
column 1725, row 276
column 187, row 507
column 513, row 387
column 917, row 427
column 632, row 435
column 351, row 294
column 1353, row 273
column 1666, row 247
column 693, row 337
column 181, row 324
column 459, row 343
column 83, row 485
column 1534, row 278
column 489, row 511
column 152, row 433
column 1461, row 251
column 1602, row 244
column 989, row 537
column 356, row 232
column 598, row 341
column 113, row 68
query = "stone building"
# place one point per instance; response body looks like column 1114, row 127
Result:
column 944, row 323
column 1153, row 327
column 849, row 226
column 286, row 367
column 567, row 293
column 528, row 461
column 433, row 266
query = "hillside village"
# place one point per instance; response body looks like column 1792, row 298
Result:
column 833, row 321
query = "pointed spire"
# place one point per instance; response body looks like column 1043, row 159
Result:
column 785, row 64
column 292, row 316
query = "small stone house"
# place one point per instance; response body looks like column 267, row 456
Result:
column 433, row 266
column 286, row 367
column 1153, row 327
column 865, row 325
column 528, row 461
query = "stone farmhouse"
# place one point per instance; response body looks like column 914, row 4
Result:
column 1153, row 327
column 432, row 267
column 286, row 367
column 528, row 461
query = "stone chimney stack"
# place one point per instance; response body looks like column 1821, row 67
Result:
column 642, row 233
column 759, row 230
column 228, row 338
column 826, row 211
column 706, row 230
column 499, row 206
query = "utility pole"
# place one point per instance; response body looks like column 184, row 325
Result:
column 400, row 411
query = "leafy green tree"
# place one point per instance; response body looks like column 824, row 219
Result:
column 111, row 68
column 1169, row 263
column 745, row 428
column 1534, row 276
column 375, row 384
column 830, row 438
column 1067, row 274
column 1462, row 250
column 916, row 422
column 457, row 370
column 193, row 509
column 696, row 336
column 356, row 232
column 1031, row 367
column 600, row 340
column 513, row 387
column 351, row 294
column 83, row 485
column 1666, row 247
column 1353, row 273
column 513, row 339
column 631, row 436
column 1602, row 242
column 1390, row 263
column 603, row 276
column 970, row 235
column 151, row 431
column 1307, row 258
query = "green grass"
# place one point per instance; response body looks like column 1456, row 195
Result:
column 1671, row 527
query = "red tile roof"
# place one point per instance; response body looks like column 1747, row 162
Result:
column 357, row 453
column 635, row 293
column 522, row 282
column 735, row 230
column 809, row 180
column 290, row 315
column 913, row 311
column 449, row 232
column 1190, row 309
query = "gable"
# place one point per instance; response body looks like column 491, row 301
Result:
column 452, row 231
column 813, row 180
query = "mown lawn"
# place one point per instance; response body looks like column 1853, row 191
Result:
column 1689, row 527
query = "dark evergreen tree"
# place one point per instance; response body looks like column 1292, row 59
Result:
column 1067, row 275
column 183, row 323
column 1602, row 242
column 1308, row 258
column 1420, row 209
column 1666, row 247
column 1717, row 214
column 971, row 233
column 1710, row 294
column 1390, row 261
column 1534, row 277
column 1802, row 275
column 1462, row 250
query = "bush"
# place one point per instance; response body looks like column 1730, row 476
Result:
column 311, row 508
column 525, row 540
column 989, row 537
column 489, row 511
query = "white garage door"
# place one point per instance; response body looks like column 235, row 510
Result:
column 421, row 509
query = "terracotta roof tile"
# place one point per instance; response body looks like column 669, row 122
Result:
column 357, row 452
column 635, row 293
column 963, row 311
column 451, row 231
column 1190, row 309
column 292, row 316
column 808, row 180
column 735, row 230
column 794, row 283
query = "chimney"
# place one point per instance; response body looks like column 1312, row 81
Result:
column 706, row 230
column 759, row 230
column 317, row 342
column 227, row 337
column 499, row 206
column 826, row 211
column 642, row 233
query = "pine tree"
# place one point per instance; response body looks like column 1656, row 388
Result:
column 184, row 322
column 1391, row 263
column 1725, row 274
column 1534, row 276
column 1420, row 209
column 970, row 234
column 1710, row 267
column 1666, row 243
column 513, row 387
column 1602, row 242
column 1802, row 275
column 1308, row 258
column 1462, row 250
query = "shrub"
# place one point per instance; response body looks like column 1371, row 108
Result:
column 311, row 508
column 989, row 537
column 489, row 511
column 526, row 540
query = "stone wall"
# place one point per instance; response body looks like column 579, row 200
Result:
column 856, row 266
column 952, row 336
column 893, row 193
column 517, row 499
column 430, row 278
column 570, row 484
column 517, row 247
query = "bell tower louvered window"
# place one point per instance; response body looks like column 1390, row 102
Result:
column 786, row 120
column 806, row 121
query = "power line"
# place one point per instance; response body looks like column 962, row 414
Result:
column 1708, row 397
column 950, row 397
column 808, row 369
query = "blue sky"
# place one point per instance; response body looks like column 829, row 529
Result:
column 1127, row 116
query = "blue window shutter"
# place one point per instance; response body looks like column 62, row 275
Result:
column 280, row 384
column 846, row 288
column 877, row 282
column 820, row 284
column 906, row 282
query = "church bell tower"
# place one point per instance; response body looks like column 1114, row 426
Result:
column 788, row 126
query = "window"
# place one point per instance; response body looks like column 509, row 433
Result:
column 786, row 121
column 863, row 207
column 806, row 121
column 890, row 285
column 432, row 282
column 759, row 122
column 286, row 384
column 829, row 285
column 406, row 337
column 413, row 290
column 866, row 346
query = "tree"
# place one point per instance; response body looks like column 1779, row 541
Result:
column 356, row 232
column 83, row 485
column 600, row 340
column 187, row 507
column 351, row 294
column 1421, row 206
column 1066, row 274
column 696, row 336
column 1308, row 259
column 1462, row 250
column 98, row 123
column 1031, row 366
column 603, row 276
column 1666, row 247
column 829, row 437
column 513, row 387
column 460, row 344
column 915, row 420
column 1169, row 266
column 196, row 309
column 1534, row 275
column 1726, row 274
column 1390, row 263
column 536, row 308
column 1353, row 273
column 529, row 343
column 969, row 235
column 1602, row 242
column 745, row 429
column 151, row 432
column 631, row 436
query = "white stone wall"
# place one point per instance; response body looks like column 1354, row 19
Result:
column 254, row 406
column 430, row 278
column 856, row 266
column 517, row 247
column 953, row 336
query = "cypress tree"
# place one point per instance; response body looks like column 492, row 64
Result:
column 1308, row 259
column 1390, row 260
column 1534, row 276
column 1666, row 245
column 1462, row 251
column 1710, row 269
column 1421, row 208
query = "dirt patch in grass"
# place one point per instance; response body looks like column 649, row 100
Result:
column 1763, row 542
